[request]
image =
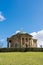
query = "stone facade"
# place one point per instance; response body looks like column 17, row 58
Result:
column 21, row 40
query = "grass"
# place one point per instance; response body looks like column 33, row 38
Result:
column 21, row 58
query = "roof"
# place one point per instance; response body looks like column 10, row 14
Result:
column 21, row 33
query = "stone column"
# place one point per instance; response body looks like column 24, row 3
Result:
column 24, row 42
column 28, row 42
column 32, row 43
column 21, row 42
column 7, row 44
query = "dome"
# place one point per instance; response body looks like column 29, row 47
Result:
column 20, row 32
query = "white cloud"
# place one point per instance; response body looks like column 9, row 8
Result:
column 39, row 36
column 1, row 40
column 17, row 31
column 20, row 31
column 2, row 18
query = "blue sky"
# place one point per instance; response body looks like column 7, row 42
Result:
column 26, row 14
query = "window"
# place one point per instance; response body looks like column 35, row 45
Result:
column 26, row 46
column 10, row 41
column 16, row 45
column 23, row 41
column 29, row 38
column 26, row 39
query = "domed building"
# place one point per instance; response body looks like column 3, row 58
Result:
column 21, row 40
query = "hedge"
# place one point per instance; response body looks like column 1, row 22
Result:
column 21, row 49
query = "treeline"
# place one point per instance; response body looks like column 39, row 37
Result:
column 21, row 49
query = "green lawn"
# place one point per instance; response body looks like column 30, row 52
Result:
column 21, row 58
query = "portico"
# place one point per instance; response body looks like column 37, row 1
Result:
column 21, row 40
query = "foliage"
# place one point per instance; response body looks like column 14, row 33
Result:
column 21, row 49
